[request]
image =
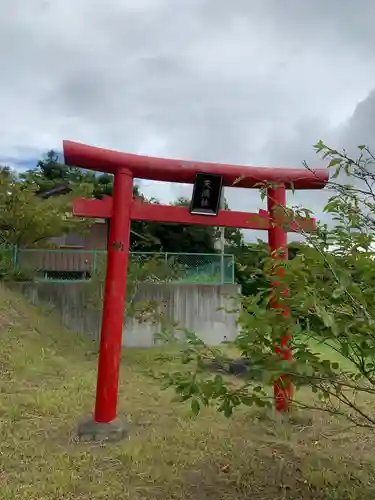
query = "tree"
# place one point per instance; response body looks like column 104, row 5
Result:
column 50, row 173
column 178, row 238
column 103, row 186
column 26, row 219
column 331, row 312
column 249, row 260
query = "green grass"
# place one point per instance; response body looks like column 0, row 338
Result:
column 47, row 383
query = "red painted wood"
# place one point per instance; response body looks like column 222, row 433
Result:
column 181, row 215
column 278, row 247
column 101, row 209
column 83, row 207
column 171, row 170
column 114, row 300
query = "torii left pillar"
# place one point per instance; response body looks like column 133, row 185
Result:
column 105, row 425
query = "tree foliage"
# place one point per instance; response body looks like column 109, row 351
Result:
column 50, row 173
column 179, row 238
column 26, row 219
column 249, row 260
column 331, row 312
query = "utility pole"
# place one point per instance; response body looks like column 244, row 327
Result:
column 222, row 242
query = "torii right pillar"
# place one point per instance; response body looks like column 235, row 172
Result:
column 278, row 247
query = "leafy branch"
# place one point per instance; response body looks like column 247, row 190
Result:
column 331, row 284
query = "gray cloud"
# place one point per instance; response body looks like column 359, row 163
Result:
column 236, row 82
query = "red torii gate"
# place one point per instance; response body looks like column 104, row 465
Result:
column 121, row 208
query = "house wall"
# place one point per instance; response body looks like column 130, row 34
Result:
column 61, row 259
column 192, row 306
column 97, row 237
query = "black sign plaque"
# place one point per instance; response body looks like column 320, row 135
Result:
column 206, row 194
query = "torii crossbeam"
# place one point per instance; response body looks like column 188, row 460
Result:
column 122, row 209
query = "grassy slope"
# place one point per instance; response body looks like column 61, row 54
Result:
column 47, row 381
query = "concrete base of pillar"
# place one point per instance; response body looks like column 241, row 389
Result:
column 292, row 417
column 89, row 430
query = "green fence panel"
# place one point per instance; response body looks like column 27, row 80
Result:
column 79, row 264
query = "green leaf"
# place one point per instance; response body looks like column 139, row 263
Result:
column 335, row 161
column 319, row 145
column 338, row 292
column 195, row 406
column 326, row 316
column 228, row 410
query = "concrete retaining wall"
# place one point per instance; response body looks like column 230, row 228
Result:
column 194, row 307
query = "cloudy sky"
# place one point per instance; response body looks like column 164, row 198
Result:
column 246, row 81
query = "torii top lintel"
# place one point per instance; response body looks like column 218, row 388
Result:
column 171, row 170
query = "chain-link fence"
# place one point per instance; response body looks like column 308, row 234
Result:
column 76, row 265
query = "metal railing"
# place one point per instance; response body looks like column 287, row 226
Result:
column 61, row 265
